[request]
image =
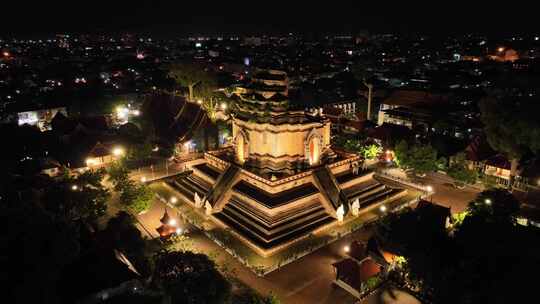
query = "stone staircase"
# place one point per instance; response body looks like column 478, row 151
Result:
column 330, row 188
column 223, row 183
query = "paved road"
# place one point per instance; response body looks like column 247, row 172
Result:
column 445, row 193
column 448, row 195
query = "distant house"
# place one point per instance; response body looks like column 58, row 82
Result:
column 498, row 166
column 389, row 134
column 92, row 125
column 348, row 107
column 477, row 153
column 528, row 215
column 50, row 167
column 34, row 115
column 100, row 155
column 412, row 109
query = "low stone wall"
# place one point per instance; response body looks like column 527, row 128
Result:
column 359, row 179
column 401, row 181
column 277, row 185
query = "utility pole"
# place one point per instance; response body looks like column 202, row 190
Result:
column 370, row 90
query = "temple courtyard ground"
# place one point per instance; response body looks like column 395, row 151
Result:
column 305, row 281
column 309, row 279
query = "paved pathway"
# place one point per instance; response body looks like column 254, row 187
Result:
column 448, row 195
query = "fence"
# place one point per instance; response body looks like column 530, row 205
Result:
column 401, row 180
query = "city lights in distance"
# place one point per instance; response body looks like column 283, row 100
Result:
column 382, row 208
column 346, row 248
column 487, row 201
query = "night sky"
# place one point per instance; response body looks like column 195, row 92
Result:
column 175, row 17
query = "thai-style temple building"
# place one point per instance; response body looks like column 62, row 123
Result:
column 281, row 180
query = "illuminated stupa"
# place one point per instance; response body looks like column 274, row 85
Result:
column 271, row 136
column 280, row 181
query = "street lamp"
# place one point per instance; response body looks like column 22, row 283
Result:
column 118, row 151
column 487, row 201
column 143, row 179
column 429, row 190
column 383, row 208
column 346, row 248
column 199, row 101
column 74, row 187
column 174, row 200
column 89, row 162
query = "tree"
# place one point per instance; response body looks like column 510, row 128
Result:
column 191, row 76
column 80, row 198
column 118, row 175
column 458, row 170
column 464, row 267
column 189, row 277
column 423, row 159
column 140, row 152
column 420, row 159
column 130, row 132
column 122, row 234
column 511, row 127
column 370, row 151
column 136, row 197
column 401, row 154
column 37, row 245
column 494, row 205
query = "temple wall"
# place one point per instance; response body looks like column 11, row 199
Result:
column 281, row 140
column 344, row 165
column 279, row 185
column 360, row 179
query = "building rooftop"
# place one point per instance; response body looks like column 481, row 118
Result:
column 414, row 98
